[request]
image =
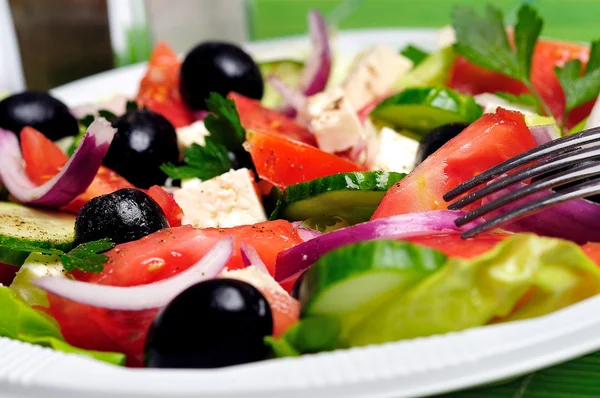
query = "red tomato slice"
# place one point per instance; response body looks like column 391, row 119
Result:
column 592, row 249
column 256, row 117
column 487, row 142
column 156, row 257
column 44, row 159
column 285, row 310
column 471, row 79
column 167, row 202
column 285, row 162
column 159, row 89
column 454, row 246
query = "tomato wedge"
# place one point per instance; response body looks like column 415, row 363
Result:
column 254, row 116
column 44, row 159
column 453, row 245
column 156, row 257
column 472, row 79
column 159, row 89
column 285, row 162
column 487, row 142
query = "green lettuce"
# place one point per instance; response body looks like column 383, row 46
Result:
column 21, row 322
column 551, row 273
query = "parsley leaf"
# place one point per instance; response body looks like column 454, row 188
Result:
column 204, row 162
column 86, row 257
column 580, row 89
column 415, row 54
column 483, row 41
column 224, row 122
column 131, row 106
column 527, row 30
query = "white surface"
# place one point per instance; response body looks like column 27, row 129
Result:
column 410, row 368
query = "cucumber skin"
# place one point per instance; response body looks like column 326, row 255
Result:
column 16, row 257
column 367, row 182
column 445, row 105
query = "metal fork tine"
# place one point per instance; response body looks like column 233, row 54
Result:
column 545, row 166
column 579, row 191
column 560, row 145
column 565, row 177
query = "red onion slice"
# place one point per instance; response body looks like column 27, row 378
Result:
column 200, row 115
column 298, row 258
column 317, row 69
column 73, row 179
column 142, row 297
column 544, row 134
column 575, row 220
column 308, row 234
column 251, row 257
column 291, row 97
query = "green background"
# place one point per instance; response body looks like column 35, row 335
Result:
column 567, row 19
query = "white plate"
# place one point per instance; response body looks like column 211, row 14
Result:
column 410, row 368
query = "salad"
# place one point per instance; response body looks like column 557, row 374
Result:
column 236, row 211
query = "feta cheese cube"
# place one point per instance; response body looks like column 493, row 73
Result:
column 221, row 202
column 394, row 152
column 446, row 37
column 373, row 74
column 192, row 134
column 333, row 121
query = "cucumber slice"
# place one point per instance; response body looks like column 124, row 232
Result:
column 287, row 70
column 24, row 225
column 350, row 282
column 421, row 109
column 431, row 71
column 351, row 196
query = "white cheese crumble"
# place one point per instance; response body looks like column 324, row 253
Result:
column 332, row 120
column 373, row 74
column 394, row 152
column 225, row 201
column 192, row 134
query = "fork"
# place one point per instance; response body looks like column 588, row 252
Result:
column 551, row 165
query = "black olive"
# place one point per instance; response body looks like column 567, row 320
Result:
column 215, row 323
column 436, row 138
column 39, row 110
column 144, row 141
column 123, row 216
column 221, row 68
column 297, row 286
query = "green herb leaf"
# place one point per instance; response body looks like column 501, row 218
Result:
column 415, row 54
column 204, row 162
column 580, row 89
column 527, row 30
column 85, row 122
column 131, row 106
column 86, row 257
column 483, row 40
column 108, row 115
column 224, row 122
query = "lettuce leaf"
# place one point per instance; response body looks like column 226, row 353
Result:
column 21, row 322
column 550, row 273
